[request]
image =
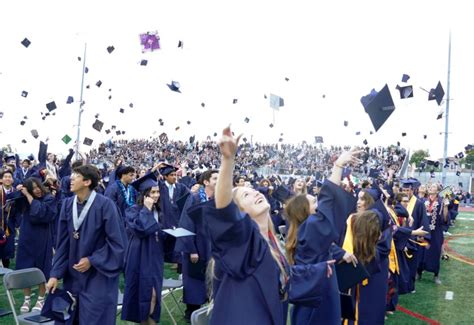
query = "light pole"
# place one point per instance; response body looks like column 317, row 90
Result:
column 81, row 103
column 446, row 124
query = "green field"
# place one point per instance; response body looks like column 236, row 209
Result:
column 429, row 299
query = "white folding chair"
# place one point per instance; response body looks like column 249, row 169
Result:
column 119, row 302
column 21, row 279
column 201, row 316
column 3, row 271
column 169, row 288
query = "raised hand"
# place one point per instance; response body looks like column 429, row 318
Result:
column 350, row 156
column 228, row 144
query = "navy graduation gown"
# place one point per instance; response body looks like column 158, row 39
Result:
column 102, row 241
column 246, row 286
column 316, row 236
column 11, row 218
column 195, row 291
column 171, row 214
column 144, row 265
column 35, row 243
column 430, row 257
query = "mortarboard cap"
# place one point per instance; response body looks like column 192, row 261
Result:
column 167, row 169
column 86, row 70
column 98, row 83
column 348, row 275
column 98, row 125
column 365, row 142
column 34, row 133
column 374, row 173
column 121, row 110
column 276, row 101
column 1, row 114
column 318, row 139
column 130, row 105
column 409, row 183
column 346, row 123
column 179, row 232
column 440, row 115
column 188, row 122
column 437, row 93
column 425, row 136
column 247, row 120
column 24, row 93
column 215, row 134
column 379, row 106
column 23, row 141
column 405, row 92
column 405, row 78
column 70, row 100
column 118, row 132
column 180, row 44
column 110, row 49
column 174, row 86
column 271, row 125
column 203, row 105
column 110, row 97
column 143, row 62
column 347, row 306
column 66, row 139
column 404, row 134
column 107, row 131
column 22, row 122
column 144, row 183
column 88, row 141
column 26, row 42
column 458, row 173
column 59, row 306
column 197, row 270
column 177, row 128
column 460, row 155
column 234, row 101
column 358, row 133
column 281, row 193
column 287, row 79
column 51, row 106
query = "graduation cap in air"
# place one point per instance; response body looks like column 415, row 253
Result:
column 440, row 115
column 34, row 133
column 379, row 106
column 86, row 70
column 405, row 91
column 425, row 136
column 70, row 100
column 179, row 232
column 271, row 125
column 22, row 123
column 110, row 97
column 24, row 93
column 113, row 127
column 180, row 44
column 468, row 148
column 234, row 101
column 1, row 114
column 144, row 62
column 66, row 139
column 150, row 41
column 59, row 306
column 346, row 123
column 404, row 134
column 318, row 139
column 358, row 133
column 98, row 125
column 458, row 173
column 174, row 86
column 247, row 120
column 365, row 142
column 188, row 122
column 374, row 172
column 460, row 155
column 215, row 134
column 177, row 128
column 88, row 141
column 23, row 141
column 121, row 110
column 107, row 131
column 118, row 132
column 405, row 78
column 144, row 183
column 51, row 106
column 203, row 105
column 110, row 49
column 98, row 83
column 437, row 93
column 26, row 42
column 276, row 101
column 287, row 79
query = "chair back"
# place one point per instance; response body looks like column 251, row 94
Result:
column 21, row 279
column 200, row 316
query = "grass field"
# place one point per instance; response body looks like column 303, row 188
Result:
column 427, row 306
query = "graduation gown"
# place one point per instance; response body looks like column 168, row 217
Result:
column 171, row 213
column 430, row 257
column 144, row 265
column 316, row 236
column 195, row 291
column 10, row 221
column 102, row 241
column 246, row 286
column 35, row 243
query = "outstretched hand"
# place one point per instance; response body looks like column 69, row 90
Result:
column 228, row 144
column 350, row 156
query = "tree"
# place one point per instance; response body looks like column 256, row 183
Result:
column 468, row 159
column 418, row 156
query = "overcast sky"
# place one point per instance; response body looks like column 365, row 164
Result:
column 333, row 53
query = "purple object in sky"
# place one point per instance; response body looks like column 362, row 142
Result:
column 150, row 41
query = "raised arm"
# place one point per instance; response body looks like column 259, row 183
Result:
column 228, row 146
column 345, row 158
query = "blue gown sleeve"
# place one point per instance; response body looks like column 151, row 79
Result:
column 61, row 257
column 401, row 237
column 109, row 259
column 43, row 211
column 42, row 154
column 187, row 244
column 308, row 284
column 236, row 241
column 337, row 252
column 65, row 169
column 140, row 221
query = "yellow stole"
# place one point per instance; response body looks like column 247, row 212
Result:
column 411, row 205
column 392, row 258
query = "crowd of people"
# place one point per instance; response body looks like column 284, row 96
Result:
column 337, row 241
